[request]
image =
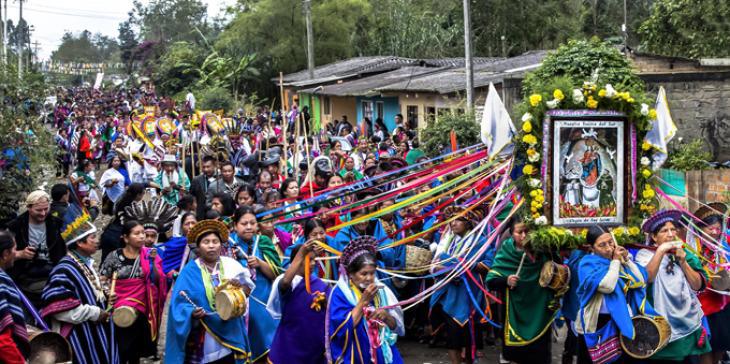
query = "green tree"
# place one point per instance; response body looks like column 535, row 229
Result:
column 437, row 135
column 27, row 151
column 85, row 48
column 417, row 29
column 525, row 25
column 177, row 68
column 169, row 21
column 688, row 28
column 127, row 44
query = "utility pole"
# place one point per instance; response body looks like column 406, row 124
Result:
column 625, row 30
column 19, row 34
column 2, row 19
column 310, row 37
column 467, row 58
column 34, row 58
column 5, row 37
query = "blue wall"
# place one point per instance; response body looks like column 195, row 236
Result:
column 391, row 108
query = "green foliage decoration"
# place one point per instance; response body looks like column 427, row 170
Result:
column 559, row 85
column 583, row 60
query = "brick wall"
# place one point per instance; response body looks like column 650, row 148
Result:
column 707, row 186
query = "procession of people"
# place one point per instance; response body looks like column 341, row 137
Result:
column 193, row 236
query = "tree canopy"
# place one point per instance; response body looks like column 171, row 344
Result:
column 86, row 47
column 688, row 28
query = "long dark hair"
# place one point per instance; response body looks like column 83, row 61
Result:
column 7, row 241
column 243, row 210
column 594, row 232
column 285, row 185
column 310, row 225
column 128, row 226
column 247, row 187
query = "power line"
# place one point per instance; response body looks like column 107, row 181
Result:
column 91, row 11
column 71, row 14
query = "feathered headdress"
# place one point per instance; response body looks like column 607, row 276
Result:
column 155, row 214
column 77, row 222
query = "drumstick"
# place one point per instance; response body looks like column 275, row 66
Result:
column 112, row 289
column 522, row 261
column 187, row 298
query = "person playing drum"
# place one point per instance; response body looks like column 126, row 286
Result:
column 675, row 276
column 714, row 304
column 529, row 315
column 76, row 303
column 13, row 333
column 459, row 300
column 196, row 333
column 612, row 287
column 135, row 272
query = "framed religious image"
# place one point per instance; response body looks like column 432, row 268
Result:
column 588, row 184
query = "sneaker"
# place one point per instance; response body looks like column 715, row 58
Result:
column 502, row 360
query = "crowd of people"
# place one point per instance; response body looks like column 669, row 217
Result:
column 253, row 239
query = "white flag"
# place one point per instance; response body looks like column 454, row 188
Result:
column 496, row 125
column 662, row 130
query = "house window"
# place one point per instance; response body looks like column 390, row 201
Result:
column 367, row 109
column 459, row 111
column 412, row 115
column 327, row 106
column 430, row 114
column 379, row 110
column 443, row 111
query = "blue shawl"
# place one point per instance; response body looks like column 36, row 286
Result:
column 591, row 270
column 232, row 334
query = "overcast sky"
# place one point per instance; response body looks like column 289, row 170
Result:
column 51, row 18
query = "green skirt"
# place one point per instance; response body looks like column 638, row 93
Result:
column 684, row 347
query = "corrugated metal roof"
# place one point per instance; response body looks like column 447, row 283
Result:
column 366, row 65
column 452, row 80
column 367, row 85
column 346, row 68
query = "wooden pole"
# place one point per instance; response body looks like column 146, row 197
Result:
column 297, row 122
column 310, row 175
column 284, row 122
column 192, row 156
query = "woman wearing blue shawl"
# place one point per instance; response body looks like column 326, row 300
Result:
column 314, row 229
column 362, row 327
column 612, row 288
column 675, row 276
column 195, row 333
column 260, row 257
column 177, row 251
column 461, row 300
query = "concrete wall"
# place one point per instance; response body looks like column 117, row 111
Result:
column 700, row 106
column 341, row 106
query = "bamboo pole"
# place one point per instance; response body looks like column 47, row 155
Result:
column 310, row 175
column 284, row 122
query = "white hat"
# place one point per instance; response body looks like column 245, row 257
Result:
column 169, row 158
